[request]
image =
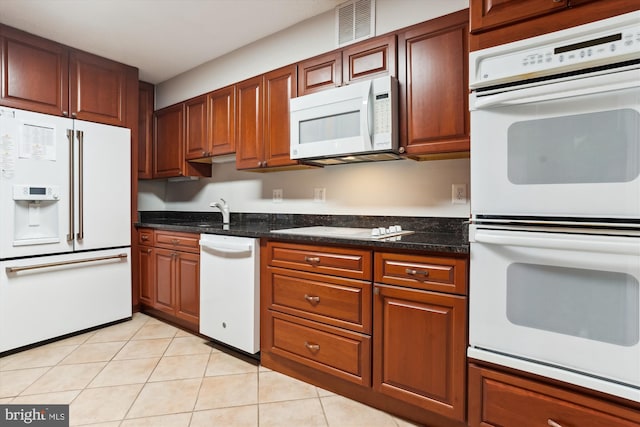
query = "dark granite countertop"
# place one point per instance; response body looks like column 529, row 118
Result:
column 432, row 234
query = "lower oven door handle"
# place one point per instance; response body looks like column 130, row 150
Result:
column 564, row 89
column 563, row 243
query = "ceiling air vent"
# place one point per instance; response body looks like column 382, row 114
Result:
column 355, row 21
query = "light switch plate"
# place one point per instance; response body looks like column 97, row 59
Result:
column 319, row 194
column 459, row 194
column 277, row 195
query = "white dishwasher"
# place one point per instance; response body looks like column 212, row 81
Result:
column 230, row 290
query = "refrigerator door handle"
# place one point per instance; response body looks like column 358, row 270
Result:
column 71, row 179
column 119, row 257
column 80, row 136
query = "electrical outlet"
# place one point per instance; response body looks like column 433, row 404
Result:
column 319, row 195
column 459, row 194
column 277, row 195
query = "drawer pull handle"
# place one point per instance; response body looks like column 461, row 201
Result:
column 413, row 272
column 312, row 259
column 144, row 237
column 552, row 423
column 312, row 347
column 175, row 241
column 314, row 300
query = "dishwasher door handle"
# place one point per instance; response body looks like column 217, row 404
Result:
column 229, row 249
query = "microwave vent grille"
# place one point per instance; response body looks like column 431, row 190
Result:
column 355, row 21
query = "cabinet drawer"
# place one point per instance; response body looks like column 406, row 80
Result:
column 337, row 301
column 145, row 236
column 498, row 399
column 344, row 262
column 441, row 274
column 188, row 242
column 336, row 351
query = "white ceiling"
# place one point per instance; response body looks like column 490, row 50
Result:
column 163, row 38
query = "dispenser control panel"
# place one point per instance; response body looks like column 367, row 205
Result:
column 33, row 192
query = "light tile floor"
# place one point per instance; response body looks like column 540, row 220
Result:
column 147, row 373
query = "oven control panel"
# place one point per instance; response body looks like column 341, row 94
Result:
column 603, row 42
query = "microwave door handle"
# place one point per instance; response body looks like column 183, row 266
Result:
column 559, row 90
column 550, row 242
column 368, row 115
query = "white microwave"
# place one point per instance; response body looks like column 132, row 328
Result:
column 353, row 123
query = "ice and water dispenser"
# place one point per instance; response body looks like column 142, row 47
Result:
column 36, row 214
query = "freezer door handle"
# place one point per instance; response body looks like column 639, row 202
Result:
column 119, row 257
column 80, row 136
column 71, row 179
column 232, row 249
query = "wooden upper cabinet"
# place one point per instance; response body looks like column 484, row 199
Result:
column 249, row 134
column 262, row 120
column 145, row 130
column 279, row 88
column 486, row 14
column 496, row 22
column 168, row 148
column 98, row 89
column 433, row 75
column 43, row 76
column 196, row 129
column 34, row 74
column 320, row 73
column 369, row 59
column 222, row 121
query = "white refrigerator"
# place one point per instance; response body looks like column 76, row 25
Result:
column 65, row 218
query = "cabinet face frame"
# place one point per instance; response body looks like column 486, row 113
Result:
column 145, row 130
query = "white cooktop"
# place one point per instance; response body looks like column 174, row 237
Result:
column 377, row 233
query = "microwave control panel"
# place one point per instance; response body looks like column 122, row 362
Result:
column 382, row 114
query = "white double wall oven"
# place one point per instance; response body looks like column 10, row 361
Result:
column 555, row 201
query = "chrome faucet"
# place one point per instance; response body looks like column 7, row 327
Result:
column 224, row 208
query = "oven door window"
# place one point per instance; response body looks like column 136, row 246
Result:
column 592, row 304
column 598, row 147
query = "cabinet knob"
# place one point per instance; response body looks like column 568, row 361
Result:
column 264, row 164
column 175, row 241
column 312, row 259
column 314, row 300
column 312, row 347
column 204, row 154
column 148, row 251
column 550, row 422
column 145, row 237
column 412, row 272
column 65, row 113
column 74, row 114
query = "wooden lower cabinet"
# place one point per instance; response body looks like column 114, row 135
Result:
column 401, row 349
column 169, row 276
column 505, row 399
column 420, row 348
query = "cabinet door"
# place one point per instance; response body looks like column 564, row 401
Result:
column 146, row 270
column 279, row 88
column 188, row 287
column 434, row 114
column 222, row 121
column 370, row 59
column 195, row 122
column 249, row 114
column 168, row 153
column 419, row 348
column 145, row 130
column 34, row 74
column 487, row 14
column 320, row 73
column 98, row 89
column 165, row 277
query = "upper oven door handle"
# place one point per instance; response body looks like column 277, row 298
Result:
column 612, row 245
column 558, row 90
